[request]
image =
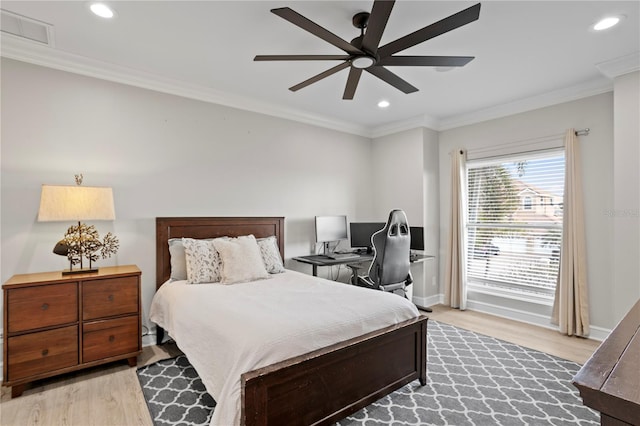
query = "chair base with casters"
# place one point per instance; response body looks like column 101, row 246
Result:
column 398, row 288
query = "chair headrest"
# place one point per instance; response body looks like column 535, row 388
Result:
column 397, row 224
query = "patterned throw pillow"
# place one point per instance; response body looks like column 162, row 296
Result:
column 271, row 255
column 204, row 264
column 241, row 260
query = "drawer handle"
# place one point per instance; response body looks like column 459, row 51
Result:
column 110, row 298
column 45, row 306
column 112, row 338
column 45, row 352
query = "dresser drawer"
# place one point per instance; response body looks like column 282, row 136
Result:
column 42, row 352
column 104, row 339
column 42, row 306
column 109, row 297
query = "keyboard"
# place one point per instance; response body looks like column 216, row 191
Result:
column 343, row 256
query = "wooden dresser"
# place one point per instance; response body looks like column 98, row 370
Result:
column 610, row 380
column 56, row 324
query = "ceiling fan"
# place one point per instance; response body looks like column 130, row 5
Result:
column 363, row 52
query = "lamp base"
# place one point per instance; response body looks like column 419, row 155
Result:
column 79, row 271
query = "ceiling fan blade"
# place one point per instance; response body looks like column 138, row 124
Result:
column 296, row 19
column 319, row 77
column 377, row 22
column 352, row 83
column 426, row 61
column 447, row 24
column 301, row 58
column 389, row 77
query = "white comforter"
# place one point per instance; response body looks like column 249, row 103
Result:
column 227, row 330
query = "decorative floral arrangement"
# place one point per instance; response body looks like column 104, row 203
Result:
column 84, row 241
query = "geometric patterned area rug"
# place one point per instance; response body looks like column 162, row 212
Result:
column 175, row 394
column 472, row 379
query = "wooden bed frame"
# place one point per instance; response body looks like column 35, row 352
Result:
column 323, row 386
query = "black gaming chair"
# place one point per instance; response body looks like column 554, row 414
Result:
column 389, row 270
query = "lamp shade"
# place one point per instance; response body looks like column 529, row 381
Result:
column 75, row 203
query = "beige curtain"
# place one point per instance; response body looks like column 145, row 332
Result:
column 571, row 304
column 455, row 292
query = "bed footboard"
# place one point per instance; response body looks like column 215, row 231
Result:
column 326, row 385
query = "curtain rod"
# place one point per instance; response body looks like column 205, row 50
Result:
column 583, row 132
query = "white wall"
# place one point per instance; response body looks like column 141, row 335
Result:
column 625, row 210
column 431, row 214
column 164, row 156
column 404, row 167
column 594, row 112
column 397, row 179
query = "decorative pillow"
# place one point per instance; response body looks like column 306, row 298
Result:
column 203, row 261
column 178, row 259
column 241, row 260
column 271, row 255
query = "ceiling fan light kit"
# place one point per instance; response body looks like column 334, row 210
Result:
column 363, row 53
column 362, row 62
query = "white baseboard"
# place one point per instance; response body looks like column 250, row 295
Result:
column 597, row 333
column 148, row 340
column 511, row 313
column 425, row 302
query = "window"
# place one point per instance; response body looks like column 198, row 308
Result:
column 512, row 246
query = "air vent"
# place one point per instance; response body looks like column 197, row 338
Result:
column 27, row 28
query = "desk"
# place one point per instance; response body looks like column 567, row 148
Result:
column 316, row 260
column 355, row 266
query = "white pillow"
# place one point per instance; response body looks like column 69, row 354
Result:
column 271, row 255
column 203, row 263
column 241, row 260
column 178, row 259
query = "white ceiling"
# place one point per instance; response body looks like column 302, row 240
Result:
column 528, row 54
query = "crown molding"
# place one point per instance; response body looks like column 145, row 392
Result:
column 620, row 66
column 402, row 125
column 572, row 93
column 37, row 54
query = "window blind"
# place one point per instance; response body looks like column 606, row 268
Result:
column 514, row 221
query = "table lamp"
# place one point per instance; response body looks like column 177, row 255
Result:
column 79, row 203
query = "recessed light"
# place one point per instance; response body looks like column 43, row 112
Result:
column 383, row 104
column 102, row 10
column 607, row 22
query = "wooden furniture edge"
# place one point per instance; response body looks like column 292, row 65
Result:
column 306, row 384
column 19, row 280
column 594, row 374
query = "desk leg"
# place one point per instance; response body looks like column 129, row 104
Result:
column 315, row 270
column 354, row 273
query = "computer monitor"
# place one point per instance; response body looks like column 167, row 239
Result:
column 417, row 237
column 331, row 228
column 361, row 233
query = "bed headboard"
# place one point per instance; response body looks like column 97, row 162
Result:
column 210, row 227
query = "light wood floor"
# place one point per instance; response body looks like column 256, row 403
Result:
column 576, row 349
column 111, row 395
